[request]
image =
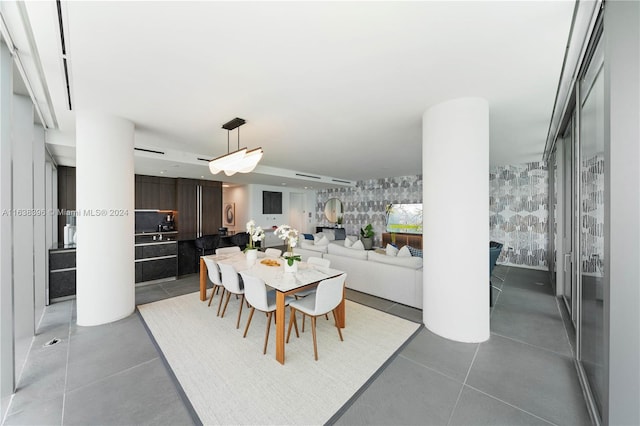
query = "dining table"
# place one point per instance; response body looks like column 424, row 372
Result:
column 273, row 273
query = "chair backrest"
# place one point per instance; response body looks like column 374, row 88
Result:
column 494, row 254
column 240, row 239
column 228, row 250
column 329, row 294
column 230, row 279
column 212, row 271
column 207, row 244
column 255, row 291
column 272, row 252
column 319, row 261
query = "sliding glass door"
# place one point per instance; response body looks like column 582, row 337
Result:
column 592, row 230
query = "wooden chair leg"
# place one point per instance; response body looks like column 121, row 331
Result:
column 266, row 336
column 292, row 321
column 213, row 292
column 303, row 318
column 221, row 299
column 335, row 319
column 240, row 311
column 225, row 304
column 313, row 331
column 248, row 322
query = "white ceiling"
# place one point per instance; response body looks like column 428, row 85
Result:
column 336, row 89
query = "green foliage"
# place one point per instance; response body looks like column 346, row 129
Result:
column 367, row 231
column 291, row 259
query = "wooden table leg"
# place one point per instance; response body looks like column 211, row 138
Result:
column 280, row 307
column 340, row 313
column 203, row 280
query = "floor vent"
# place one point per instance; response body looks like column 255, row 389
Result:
column 52, row 342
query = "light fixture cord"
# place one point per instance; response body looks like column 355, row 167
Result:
column 238, row 138
column 228, row 141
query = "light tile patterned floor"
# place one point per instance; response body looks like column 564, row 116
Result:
column 524, row 375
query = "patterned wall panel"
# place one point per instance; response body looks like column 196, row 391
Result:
column 592, row 219
column 518, row 212
column 518, row 206
column 366, row 202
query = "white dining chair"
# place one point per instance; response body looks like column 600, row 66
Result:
column 231, row 283
column 272, row 252
column 327, row 297
column 214, row 277
column 318, row 261
column 227, row 250
column 256, row 293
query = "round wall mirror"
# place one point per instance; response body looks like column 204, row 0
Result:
column 333, row 210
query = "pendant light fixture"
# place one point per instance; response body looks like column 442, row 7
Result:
column 240, row 161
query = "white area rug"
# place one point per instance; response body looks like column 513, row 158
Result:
column 229, row 381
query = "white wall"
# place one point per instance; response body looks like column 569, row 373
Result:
column 622, row 318
column 248, row 201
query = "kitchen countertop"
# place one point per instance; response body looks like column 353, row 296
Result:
column 62, row 246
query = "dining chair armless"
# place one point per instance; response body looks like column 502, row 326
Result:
column 256, row 293
column 214, row 277
column 273, row 252
column 232, row 285
column 328, row 296
column 228, row 250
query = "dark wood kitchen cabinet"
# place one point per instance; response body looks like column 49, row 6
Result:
column 157, row 193
column 199, row 205
column 66, row 195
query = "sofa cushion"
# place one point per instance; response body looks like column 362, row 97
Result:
column 313, row 247
column 317, row 236
column 340, row 250
column 348, row 242
column 407, row 262
column 404, row 252
column 358, row 245
column 415, row 251
column 330, row 234
column 391, row 250
column 322, row 241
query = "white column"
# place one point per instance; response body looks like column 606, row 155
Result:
column 7, row 375
column 40, row 248
column 455, row 167
column 22, row 168
column 105, row 271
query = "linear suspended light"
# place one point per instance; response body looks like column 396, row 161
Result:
column 240, row 161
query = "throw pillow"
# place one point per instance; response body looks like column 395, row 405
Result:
column 347, row 242
column 308, row 236
column 317, row 237
column 358, row 245
column 324, row 241
column 404, row 252
column 415, row 252
column 391, row 250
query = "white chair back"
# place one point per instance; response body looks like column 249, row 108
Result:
column 272, row 252
column 228, row 250
column 329, row 294
column 319, row 261
column 212, row 271
column 255, row 291
column 230, row 279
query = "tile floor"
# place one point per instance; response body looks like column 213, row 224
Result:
column 524, row 374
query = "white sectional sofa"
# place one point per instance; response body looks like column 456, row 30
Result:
column 391, row 277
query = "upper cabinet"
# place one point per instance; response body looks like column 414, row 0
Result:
column 155, row 193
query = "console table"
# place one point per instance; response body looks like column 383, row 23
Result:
column 412, row 240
